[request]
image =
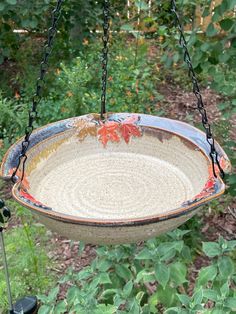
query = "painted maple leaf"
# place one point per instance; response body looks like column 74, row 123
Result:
column 29, row 197
column 207, row 190
column 128, row 128
column 108, row 132
column 85, row 128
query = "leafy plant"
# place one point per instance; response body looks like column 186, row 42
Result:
column 143, row 279
column 77, row 90
column 12, row 122
column 27, row 260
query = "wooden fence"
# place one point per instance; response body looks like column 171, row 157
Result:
column 199, row 21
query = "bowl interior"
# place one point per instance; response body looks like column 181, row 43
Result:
column 153, row 174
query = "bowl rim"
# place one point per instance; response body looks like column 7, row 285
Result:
column 66, row 218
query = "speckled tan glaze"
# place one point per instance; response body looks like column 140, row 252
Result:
column 111, row 193
column 121, row 181
column 113, row 235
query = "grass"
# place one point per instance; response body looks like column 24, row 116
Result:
column 29, row 264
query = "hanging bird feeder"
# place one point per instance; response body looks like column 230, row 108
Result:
column 114, row 178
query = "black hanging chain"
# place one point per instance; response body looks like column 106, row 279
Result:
column 196, row 90
column 38, row 92
column 105, row 38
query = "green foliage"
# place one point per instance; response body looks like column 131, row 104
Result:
column 79, row 20
column 133, row 279
column 27, row 260
column 77, row 90
column 18, row 15
column 12, row 122
column 213, row 56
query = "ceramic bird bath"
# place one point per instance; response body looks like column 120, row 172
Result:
column 127, row 178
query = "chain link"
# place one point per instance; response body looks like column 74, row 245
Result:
column 38, row 91
column 105, row 38
column 196, row 90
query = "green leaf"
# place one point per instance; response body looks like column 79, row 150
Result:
column 173, row 310
column 218, row 310
column 105, row 309
column 232, row 244
column 177, row 233
column 104, row 278
column 225, row 289
column 53, row 294
column 231, row 303
column 205, row 47
column 123, row 272
column 226, row 24
column 141, row 5
column 145, row 276
column 127, row 27
column 108, row 292
column 152, row 301
column 60, row 308
column 139, row 296
column 167, row 250
column 144, row 254
column 197, row 297
column 128, row 289
column 178, row 272
column 45, row 309
column 224, row 57
column 72, row 294
column 232, row 179
column 81, row 247
column 206, row 274
column 167, row 296
column 134, row 307
column 231, row 4
column 184, row 299
column 210, row 294
column 211, row 249
column 162, row 273
column 83, row 275
column 103, row 265
column 211, row 30
column 226, row 267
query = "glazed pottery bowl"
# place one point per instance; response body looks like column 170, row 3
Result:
column 124, row 179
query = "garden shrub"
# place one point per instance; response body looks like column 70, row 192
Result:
column 149, row 278
column 27, row 259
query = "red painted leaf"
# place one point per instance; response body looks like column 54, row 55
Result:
column 210, row 184
column 29, row 197
column 208, row 189
column 128, row 128
column 108, row 132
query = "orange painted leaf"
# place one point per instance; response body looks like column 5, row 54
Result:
column 208, row 189
column 29, row 197
column 108, row 132
column 128, row 128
